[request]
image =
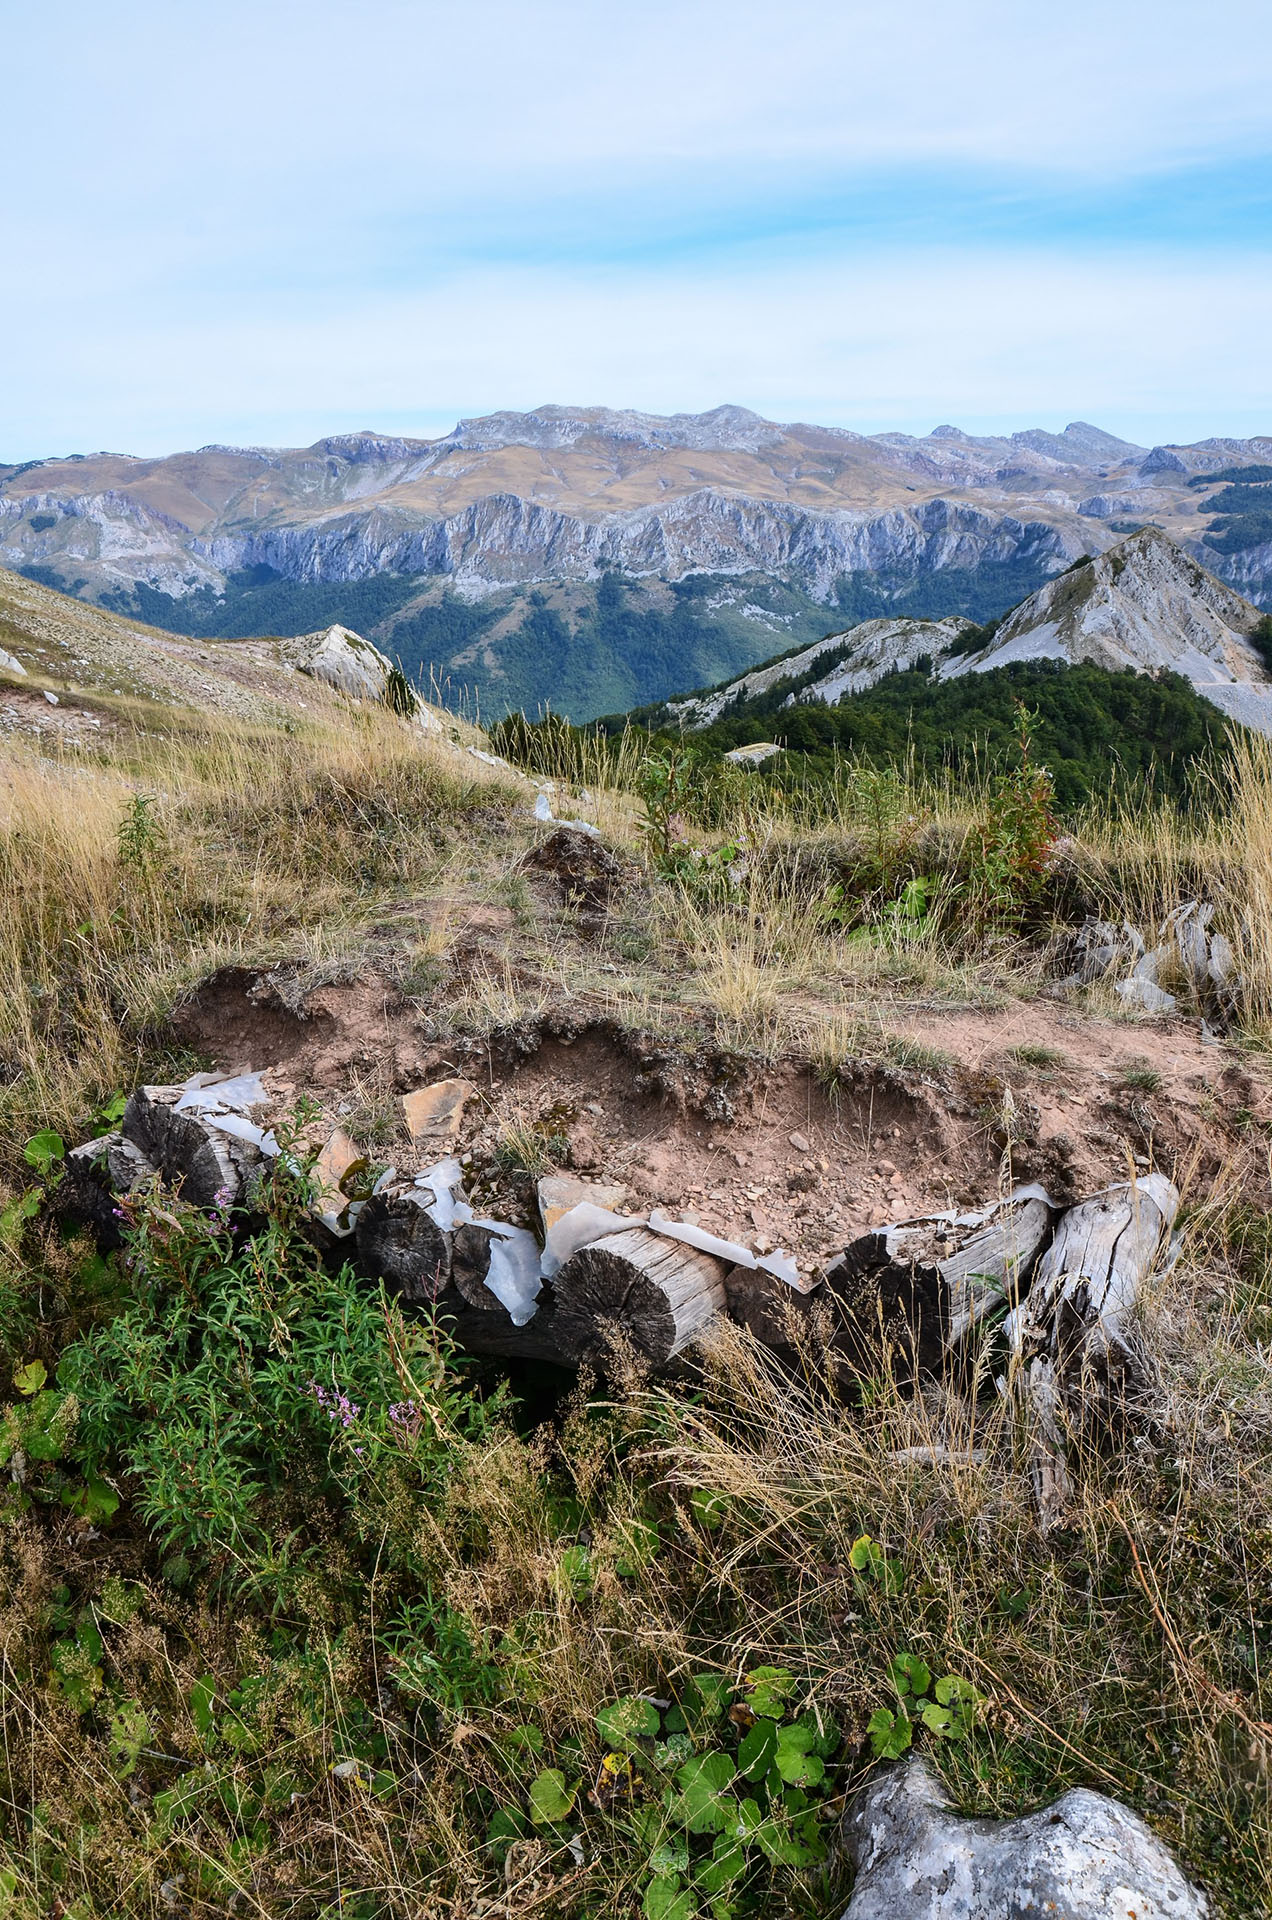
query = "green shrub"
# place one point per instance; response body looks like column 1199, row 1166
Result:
column 244, row 1381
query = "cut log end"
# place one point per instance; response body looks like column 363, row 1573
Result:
column 400, row 1244
column 205, row 1166
column 658, row 1293
column 470, row 1263
column 94, row 1178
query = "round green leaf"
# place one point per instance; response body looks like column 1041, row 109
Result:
column 666, row 1899
column 43, row 1150
column 890, row 1733
column 30, row 1378
column 755, row 1755
column 550, row 1799
column 626, row 1722
column 702, row 1782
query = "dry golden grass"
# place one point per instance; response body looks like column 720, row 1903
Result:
column 123, row 882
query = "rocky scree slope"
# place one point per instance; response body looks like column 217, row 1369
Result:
column 1145, row 604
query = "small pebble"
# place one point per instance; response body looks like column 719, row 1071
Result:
column 798, row 1141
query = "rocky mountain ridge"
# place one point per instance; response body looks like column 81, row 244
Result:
column 1144, row 604
column 564, row 492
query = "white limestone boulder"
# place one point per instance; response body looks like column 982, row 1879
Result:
column 340, row 658
column 1084, row 1857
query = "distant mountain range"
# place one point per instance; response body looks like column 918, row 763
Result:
column 600, row 559
column 1144, row 604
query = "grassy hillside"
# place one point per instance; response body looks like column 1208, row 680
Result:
column 307, row 1615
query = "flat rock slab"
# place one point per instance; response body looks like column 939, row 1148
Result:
column 339, row 1157
column 1083, row 1858
column 433, row 1114
column 560, row 1193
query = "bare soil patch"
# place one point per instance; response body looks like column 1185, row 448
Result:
column 766, row 1152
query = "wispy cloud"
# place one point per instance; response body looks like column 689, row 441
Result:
column 275, row 220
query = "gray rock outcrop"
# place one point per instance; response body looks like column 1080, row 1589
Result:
column 341, row 659
column 1085, row 1857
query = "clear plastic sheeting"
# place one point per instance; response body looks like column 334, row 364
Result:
column 579, row 1228
column 513, row 1275
column 691, row 1236
column 211, row 1093
column 441, row 1182
column 245, row 1130
column 544, row 814
column 781, row 1266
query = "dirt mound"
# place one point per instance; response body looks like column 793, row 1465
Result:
column 585, row 871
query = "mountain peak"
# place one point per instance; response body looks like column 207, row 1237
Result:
column 723, row 428
column 1145, row 604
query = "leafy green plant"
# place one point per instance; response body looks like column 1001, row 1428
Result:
column 679, row 786
column 141, row 839
column 947, row 1709
column 108, row 1115
column 242, row 1377
column 721, row 1787
column 871, row 1567
column 1017, row 835
column 45, row 1151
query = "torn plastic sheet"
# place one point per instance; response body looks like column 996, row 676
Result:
column 782, row 1267
column 222, row 1093
column 245, row 1130
column 705, row 1242
column 779, row 1264
column 579, row 1228
column 978, row 1216
column 441, row 1181
column 543, row 813
column 513, row 1274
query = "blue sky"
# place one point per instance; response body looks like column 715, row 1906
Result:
column 260, row 223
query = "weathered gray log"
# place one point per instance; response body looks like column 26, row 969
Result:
column 657, row 1292
column 1077, row 1352
column 94, row 1178
column 470, row 1263
column 203, row 1163
column 1080, row 1309
column 779, row 1316
column 1085, row 1857
column 398, row 1242
column 920, row 1286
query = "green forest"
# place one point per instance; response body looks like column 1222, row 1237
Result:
column 1134, row 731
column 1243, row 506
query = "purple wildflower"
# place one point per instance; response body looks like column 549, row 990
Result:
column 336, row 1406
column 407, row 1418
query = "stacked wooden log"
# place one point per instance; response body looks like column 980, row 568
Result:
column 1063, row 1283
column 194, row 1138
